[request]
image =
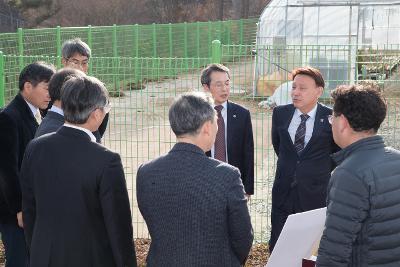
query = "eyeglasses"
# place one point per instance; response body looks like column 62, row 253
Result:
column 76, row 63
column 107, row 108
column 330, row 118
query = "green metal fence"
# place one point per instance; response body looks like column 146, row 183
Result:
column 139, row 129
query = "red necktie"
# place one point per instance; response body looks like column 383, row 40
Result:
column 219, row 145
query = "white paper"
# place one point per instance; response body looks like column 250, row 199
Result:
column 299, row 234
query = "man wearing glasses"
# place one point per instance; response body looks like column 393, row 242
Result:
column 76, row 54
column 76, row 210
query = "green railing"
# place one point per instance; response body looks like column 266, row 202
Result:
column 145, row 86
column 183, row 40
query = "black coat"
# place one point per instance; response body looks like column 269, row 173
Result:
column 75, row 203
column 50, row 124
column 17, row 128
column 362, row 226
column 195, row 210
column 311, row 170
column 240, row 143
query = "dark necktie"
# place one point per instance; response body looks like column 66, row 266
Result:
column 219, row 145
column 300, row 133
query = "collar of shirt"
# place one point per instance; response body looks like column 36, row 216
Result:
column 92, row 138
column 57, row 110
column 312, row 113
column 224, row 105
column 33, row 109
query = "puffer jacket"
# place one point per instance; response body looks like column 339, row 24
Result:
column 362, row 227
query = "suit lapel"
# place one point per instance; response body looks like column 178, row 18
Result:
column 316, row 130
column 290, row 112
column 26, row 114
column 230, row 121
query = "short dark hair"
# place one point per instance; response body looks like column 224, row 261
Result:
column 35, row 73
column 56, row 82
column 189, row 112
column 363, row 106
column 206, row 73
column 73, row 46
column 314, row 73
column 80, row 96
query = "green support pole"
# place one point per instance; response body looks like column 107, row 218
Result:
column 228, row 35
column 2, row 81
column 198, row 39
column 58, row 41
column 136, row 54
column 20, row 48
column 114, row 61
column 171, row 71
column 89, row 36
column 185, row 44
column 240, row 36
column 154, row 40
column 154, row 63
column 209, row 26
column 221, row 26
column 216, row 51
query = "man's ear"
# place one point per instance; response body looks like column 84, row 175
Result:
column 64, row 62
column 28, row 87
column 206, row 128
column 206, row 88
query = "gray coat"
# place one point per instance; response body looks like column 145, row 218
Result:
column 195, row 210
column 362, row 227
column 50, row 124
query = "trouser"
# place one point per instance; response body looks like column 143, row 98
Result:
column 280, row 213
column 14, row 244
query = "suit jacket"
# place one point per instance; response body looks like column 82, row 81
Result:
column 195, row 210
column 240, row 143
column 53, row 121
column 310, row 170
column 76, row 209
column 18, row 127
column 50, row 124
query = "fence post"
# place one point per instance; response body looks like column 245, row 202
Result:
column 20, row 48
column 198, row 39
column 114, row 61
column 89, row 36
column 154, row 40
column 209, row 26
column 216, row 51
column 171, row 71
column 58, row 41
column 2, row 81
column 136, row 55
column 240, row 36
column 185, row 44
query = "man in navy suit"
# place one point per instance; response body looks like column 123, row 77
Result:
column 55, row 116
column 234, row 142
column 302, row 140
column 18, row 123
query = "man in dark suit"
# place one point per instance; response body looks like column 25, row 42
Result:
column 194, row 206
column 76, row 54
column 18, row 123
column 76, row 209
column 234, row 142
column 54, row 118
column 302, row 140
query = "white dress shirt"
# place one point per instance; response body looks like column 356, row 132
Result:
column 32, row 108
column 296, row 120
column 224, row 113
column 57, row 110
column 92, row 138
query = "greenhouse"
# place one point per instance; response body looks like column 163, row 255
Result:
column 348, row 40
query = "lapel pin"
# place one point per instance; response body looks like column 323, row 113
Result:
column 322, row 120
column 234, row 115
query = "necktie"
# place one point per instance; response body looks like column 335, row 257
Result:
column 38, row 117
column 300, row 133
column 219, row 145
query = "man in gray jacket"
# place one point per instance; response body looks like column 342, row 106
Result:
column 194, row 206
column 362, row 227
